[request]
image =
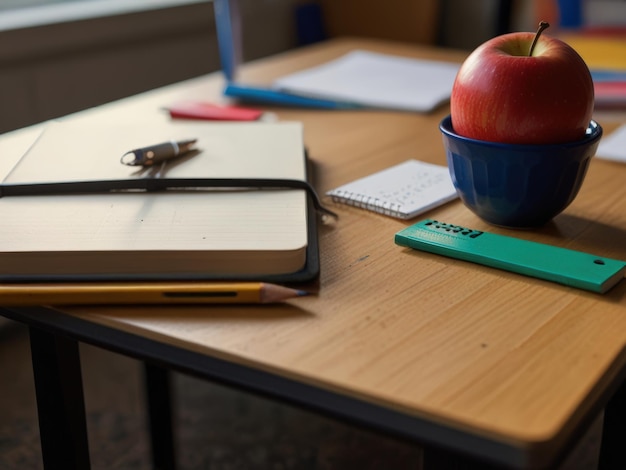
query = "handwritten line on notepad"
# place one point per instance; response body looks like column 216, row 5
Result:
column 403, row 191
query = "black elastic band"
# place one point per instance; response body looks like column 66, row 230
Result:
column 159, row 184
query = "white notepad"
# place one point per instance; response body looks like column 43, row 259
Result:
column 403, row 191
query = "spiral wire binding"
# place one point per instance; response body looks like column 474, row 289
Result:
column 364, row 201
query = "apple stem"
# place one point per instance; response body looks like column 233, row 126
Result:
column 543, row 25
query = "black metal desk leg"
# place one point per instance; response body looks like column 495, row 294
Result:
column 612, row 454
column 159, row 391
column 60, row 401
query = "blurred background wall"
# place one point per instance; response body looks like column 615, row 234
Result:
column 60, row 56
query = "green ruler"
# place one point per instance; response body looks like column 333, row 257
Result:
column 552, row 263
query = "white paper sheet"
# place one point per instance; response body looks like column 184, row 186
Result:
column 613, row 146
column 376, row 80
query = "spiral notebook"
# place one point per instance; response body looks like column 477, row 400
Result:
column 403, row 191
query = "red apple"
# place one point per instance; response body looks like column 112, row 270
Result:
column 503, row 94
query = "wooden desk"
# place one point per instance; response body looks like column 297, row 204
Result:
column 479, row 362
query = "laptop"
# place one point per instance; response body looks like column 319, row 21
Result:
column 228, row 24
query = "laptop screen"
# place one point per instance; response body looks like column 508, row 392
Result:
column 228, row 25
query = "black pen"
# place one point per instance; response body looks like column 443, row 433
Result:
column 147, row 156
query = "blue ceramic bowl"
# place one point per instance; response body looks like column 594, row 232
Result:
column 517, row 186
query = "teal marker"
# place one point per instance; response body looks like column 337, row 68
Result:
column 552, row 263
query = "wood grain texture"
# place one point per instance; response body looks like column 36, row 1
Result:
column 515, row 359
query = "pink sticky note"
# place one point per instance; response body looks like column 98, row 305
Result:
column 209, row 111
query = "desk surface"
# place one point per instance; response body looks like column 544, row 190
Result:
column 507, row 359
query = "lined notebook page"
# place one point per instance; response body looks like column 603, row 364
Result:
column 402, row 191
column 233, row 230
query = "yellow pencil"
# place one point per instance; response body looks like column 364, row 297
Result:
column 145, row 293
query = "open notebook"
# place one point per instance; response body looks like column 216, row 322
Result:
column 173, row 234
